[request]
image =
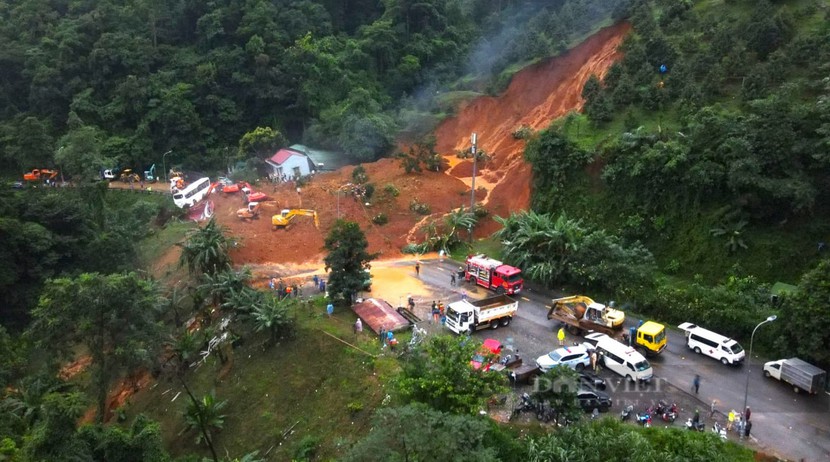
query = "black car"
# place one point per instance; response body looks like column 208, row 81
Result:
column 591, row 380
column 593, row 399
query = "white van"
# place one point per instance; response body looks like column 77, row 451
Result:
column 706, row 342
column 193, row 193
column 624, row 360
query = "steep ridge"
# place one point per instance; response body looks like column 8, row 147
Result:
column 536, row 96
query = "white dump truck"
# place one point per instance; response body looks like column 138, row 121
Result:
column 469, row 316
column 800, row 374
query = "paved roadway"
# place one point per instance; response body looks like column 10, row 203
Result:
column 784, row 423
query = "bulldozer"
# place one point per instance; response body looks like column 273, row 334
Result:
column 284, row 218
column 39, row 174
column 250, row 212
column 127, row 176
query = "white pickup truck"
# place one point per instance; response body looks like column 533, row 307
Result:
column 800, row 374
column 469, row 316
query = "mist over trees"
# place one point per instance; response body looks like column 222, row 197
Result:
column 119, row 83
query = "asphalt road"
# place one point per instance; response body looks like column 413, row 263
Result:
column 789, row 425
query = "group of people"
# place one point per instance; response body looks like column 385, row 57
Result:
column 740, row 421
column 387, row 338
column 438, row 313
column 284, row 290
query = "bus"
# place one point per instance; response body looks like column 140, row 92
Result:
column 193, row 193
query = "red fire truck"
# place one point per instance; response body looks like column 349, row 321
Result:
column 493, row 274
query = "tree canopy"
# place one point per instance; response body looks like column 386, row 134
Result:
column 113, row 316
column 347, row 260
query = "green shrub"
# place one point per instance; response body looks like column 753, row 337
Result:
column 306, row 448
column 354, row 407
column 391, row 190
column 380, row 219
column 419, row 207
column 413, row 249
column 359, row 175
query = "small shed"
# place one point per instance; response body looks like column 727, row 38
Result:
column 289, row 163
column 378, row 314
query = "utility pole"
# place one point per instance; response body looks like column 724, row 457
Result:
column 473, row 140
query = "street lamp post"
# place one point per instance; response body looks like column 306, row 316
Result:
column 749, row 360
column 473, row 140
column 164, row 165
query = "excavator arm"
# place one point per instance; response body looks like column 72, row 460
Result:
column 283, row 219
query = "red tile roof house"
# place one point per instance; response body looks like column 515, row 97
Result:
column 291, row 163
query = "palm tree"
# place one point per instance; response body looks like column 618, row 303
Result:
column 206, row 250
column 205, row 414
column 272, row 314
column 454, row 222
column 185, row 348
column 733, row 232
column 219, row 287
column 541, row 246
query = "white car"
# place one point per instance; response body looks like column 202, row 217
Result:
column 576, row 357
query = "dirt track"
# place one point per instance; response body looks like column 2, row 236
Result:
column 536, row 96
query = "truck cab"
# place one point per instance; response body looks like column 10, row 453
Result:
column 493, row 274
column 652, row 337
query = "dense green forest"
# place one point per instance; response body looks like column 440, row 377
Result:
column 686, row 191
column 697, row 175
column 91, row 84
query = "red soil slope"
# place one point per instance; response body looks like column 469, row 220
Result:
column 536, row 96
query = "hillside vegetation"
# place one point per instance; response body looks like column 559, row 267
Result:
column 697, row 175
column 681, row 216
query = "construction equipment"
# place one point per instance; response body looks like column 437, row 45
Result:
column 250, row 212
column 39, row 174
column 127, row 176
column 150, row 175
column 582, row 314
column 284, row 218
column 109, row 173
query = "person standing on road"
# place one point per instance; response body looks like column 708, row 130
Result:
column 747, row 413
column 452, row 279
column 594, row 362
column 561, row 336
column 696, row 383
column 714, row 403
column 417, row 268
column 730, row 419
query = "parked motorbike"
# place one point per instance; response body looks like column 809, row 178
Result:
column 525, row 405
column 670, row 414
column 545, row 413
column 697, row 426
column 625, row 414
column 718, row 430
column 643, row 419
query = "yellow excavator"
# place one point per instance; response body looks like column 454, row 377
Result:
column 128, row 176
column 581, row 313
column 284, row 218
